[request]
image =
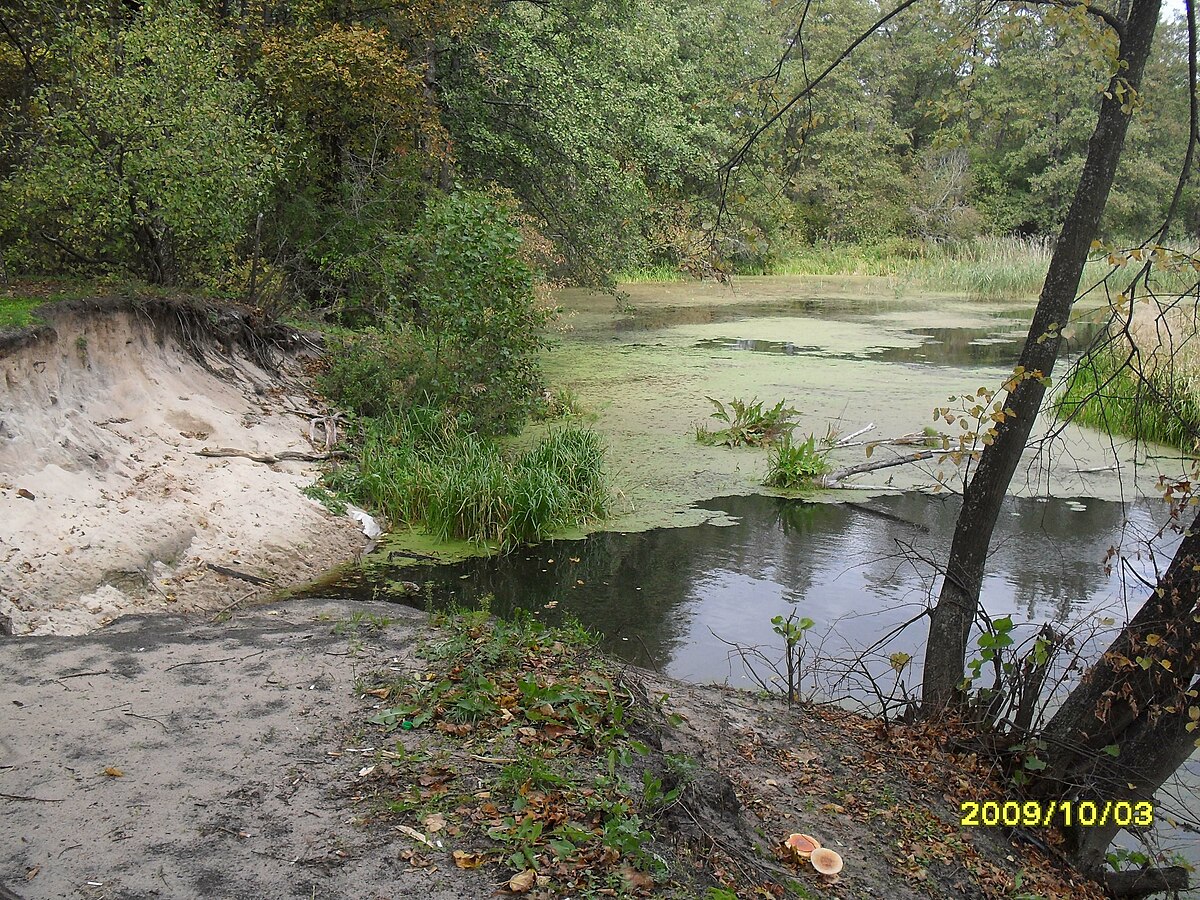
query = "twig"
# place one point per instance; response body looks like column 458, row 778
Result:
column 234, row 573
column 200, row 662
column 224, row 609
column 870, row 426
column 86, row 674
column 164, row 725
column 25, row 799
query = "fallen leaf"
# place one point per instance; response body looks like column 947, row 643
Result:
column 113, row 772
column 638, row 881
column 434, row 822
column 414, row 834
column 466, row 860
column 522, row 882
column 32, row 873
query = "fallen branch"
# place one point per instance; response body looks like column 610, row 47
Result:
column 270, row 458
column 234, row 573
column 831, row 480
column 1144, row 882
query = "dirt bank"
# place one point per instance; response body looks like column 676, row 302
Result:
column 109, row 510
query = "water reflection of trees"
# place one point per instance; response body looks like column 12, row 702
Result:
column 834, row 562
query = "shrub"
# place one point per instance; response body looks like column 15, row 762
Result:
column 464, row 328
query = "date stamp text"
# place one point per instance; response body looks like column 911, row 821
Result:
column 1064, row 813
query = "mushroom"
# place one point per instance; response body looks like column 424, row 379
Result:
column 826, row 861
column 801, row 846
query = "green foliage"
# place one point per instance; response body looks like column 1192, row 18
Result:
column 791, row 465
column 425, row 469
column 463, row 328
column 749, row 423
column 794, row 631
column 530, row 693
column 1103, row 392
column 144, row 152
column 331, row 501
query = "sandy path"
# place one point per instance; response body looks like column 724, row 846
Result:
column 234, row 742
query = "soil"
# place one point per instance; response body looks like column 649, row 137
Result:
column 180, row 757
column 108, row 508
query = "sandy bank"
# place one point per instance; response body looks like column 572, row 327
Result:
column 108, row 510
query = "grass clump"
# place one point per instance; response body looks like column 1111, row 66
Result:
column 424, row 468
column 795, row 465
column 17, row 312
column 1104, row 392
column 567, row 792
column 748, row 423
column 650, row 273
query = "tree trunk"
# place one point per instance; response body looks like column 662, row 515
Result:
column 958, row 602
column 1133, row 698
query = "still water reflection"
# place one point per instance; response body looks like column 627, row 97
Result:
column 672, row 597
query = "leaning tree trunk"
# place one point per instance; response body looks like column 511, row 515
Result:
column 1135, row 702
column 958, row 602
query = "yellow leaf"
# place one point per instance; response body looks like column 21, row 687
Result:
column 522, row 882
column 113, row 772
column 465, row 860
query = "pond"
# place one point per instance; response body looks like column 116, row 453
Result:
column 696, row 559
column 675, row 599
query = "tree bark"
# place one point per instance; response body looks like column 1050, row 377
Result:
column 958, row 601
column 1134, row 698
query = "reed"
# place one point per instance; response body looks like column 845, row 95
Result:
column 425, row 470
column 984, row 267
column 1152, row 394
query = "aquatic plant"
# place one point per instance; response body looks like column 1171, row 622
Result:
column 749, row 423
column 792, row 465
column 425, row 469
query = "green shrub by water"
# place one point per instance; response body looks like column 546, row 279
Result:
column 1104, row 394
column 426, row 470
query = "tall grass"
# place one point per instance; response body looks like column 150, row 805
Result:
column 423, row 469
column 1162, row 405
column 985, row 267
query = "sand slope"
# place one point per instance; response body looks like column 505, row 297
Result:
column 107, row 510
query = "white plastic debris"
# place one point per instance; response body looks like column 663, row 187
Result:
column 369, row 526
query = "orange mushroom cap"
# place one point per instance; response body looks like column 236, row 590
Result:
column 802, row 845
column 826, row 861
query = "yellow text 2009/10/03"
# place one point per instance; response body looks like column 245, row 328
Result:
column 1032, row 813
